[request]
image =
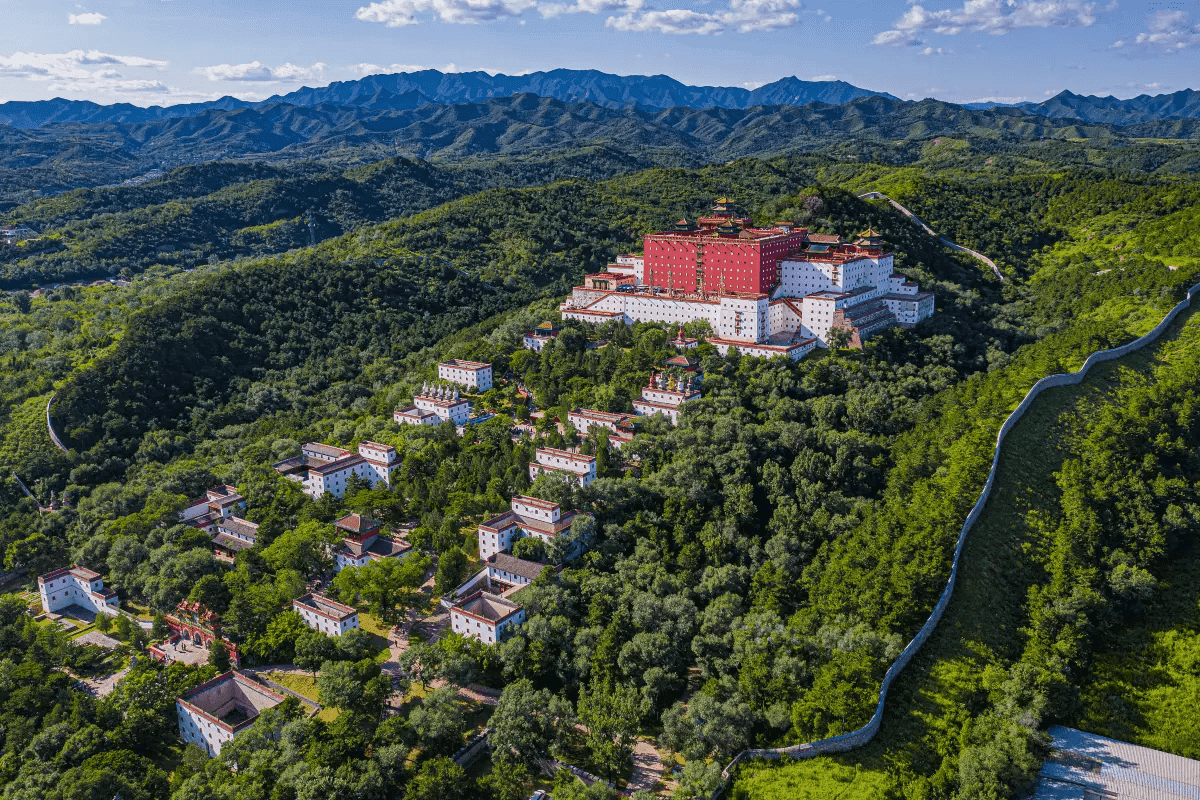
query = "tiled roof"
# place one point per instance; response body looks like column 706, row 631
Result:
column 357, row 524
column 384, row 547
column 237, row 525
column 325, row 450
column 535, row 501
column 323, row 605
column 228, row 542
column 516, row 566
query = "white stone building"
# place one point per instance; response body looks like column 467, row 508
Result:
column 76, row 586
column 485, row 616
column 471, row 374
column 434, row 405
column 549, row 459
column 217, row 503
column 665, row 395
column 327, row 616
column 528, row 516
column 363, row 541
column 215, row 712
column 322, row 468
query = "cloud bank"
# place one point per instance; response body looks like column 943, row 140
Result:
column 996, row 17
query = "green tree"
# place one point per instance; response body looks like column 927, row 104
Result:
column 304, row 548
column 313, row 649
column 612, row 715
column 218, row 656
column 527, row 721
column 439, row 779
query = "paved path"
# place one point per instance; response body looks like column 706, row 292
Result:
column 648, row 767
column 932, row 232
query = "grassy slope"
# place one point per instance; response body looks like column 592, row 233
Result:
column 936, row 694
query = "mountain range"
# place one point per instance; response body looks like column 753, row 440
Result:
column 412, row 90
column 408, row 90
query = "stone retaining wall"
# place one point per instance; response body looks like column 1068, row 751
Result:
column 857, row 738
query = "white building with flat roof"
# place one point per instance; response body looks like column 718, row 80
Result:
column 485, row 616
column 327, row 616
column 528, row 516
column 76, row 586
column 471, row 374
column 322, row 468
column 217, row 711
column 576, row 465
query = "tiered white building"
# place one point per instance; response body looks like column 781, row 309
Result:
column 471, row 374
column 322, row 468
column 548, row 460
column 827, row 284
column 529, row 516
column 76, row 586
column 434, row 405
column 327, row 616
column 665, row 395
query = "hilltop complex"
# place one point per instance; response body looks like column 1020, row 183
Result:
column 765, row 291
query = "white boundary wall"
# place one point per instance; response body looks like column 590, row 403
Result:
column 849, row 741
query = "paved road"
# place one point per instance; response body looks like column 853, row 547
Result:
column 932, row 232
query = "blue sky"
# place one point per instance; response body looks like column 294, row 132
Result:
column 159, row 52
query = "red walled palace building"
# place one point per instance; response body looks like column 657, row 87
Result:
column 723, row 253
column 763, row 291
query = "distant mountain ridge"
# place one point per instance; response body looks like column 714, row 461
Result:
column 407, row 90
column 1184, row 104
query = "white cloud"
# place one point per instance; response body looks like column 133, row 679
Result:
column 258, row 72
column 399, row 13
column 935, row 51
column 588, row 7
column 78, row 71
column 822, row 78
column 1169, row 32
column 383, row 69
column 1002, row 100
column 996, row 17
column 91, row 18
column 742, row 16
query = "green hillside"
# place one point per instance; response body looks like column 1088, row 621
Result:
column 750, row 580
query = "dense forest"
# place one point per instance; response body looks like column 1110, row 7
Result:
column 753, row 570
